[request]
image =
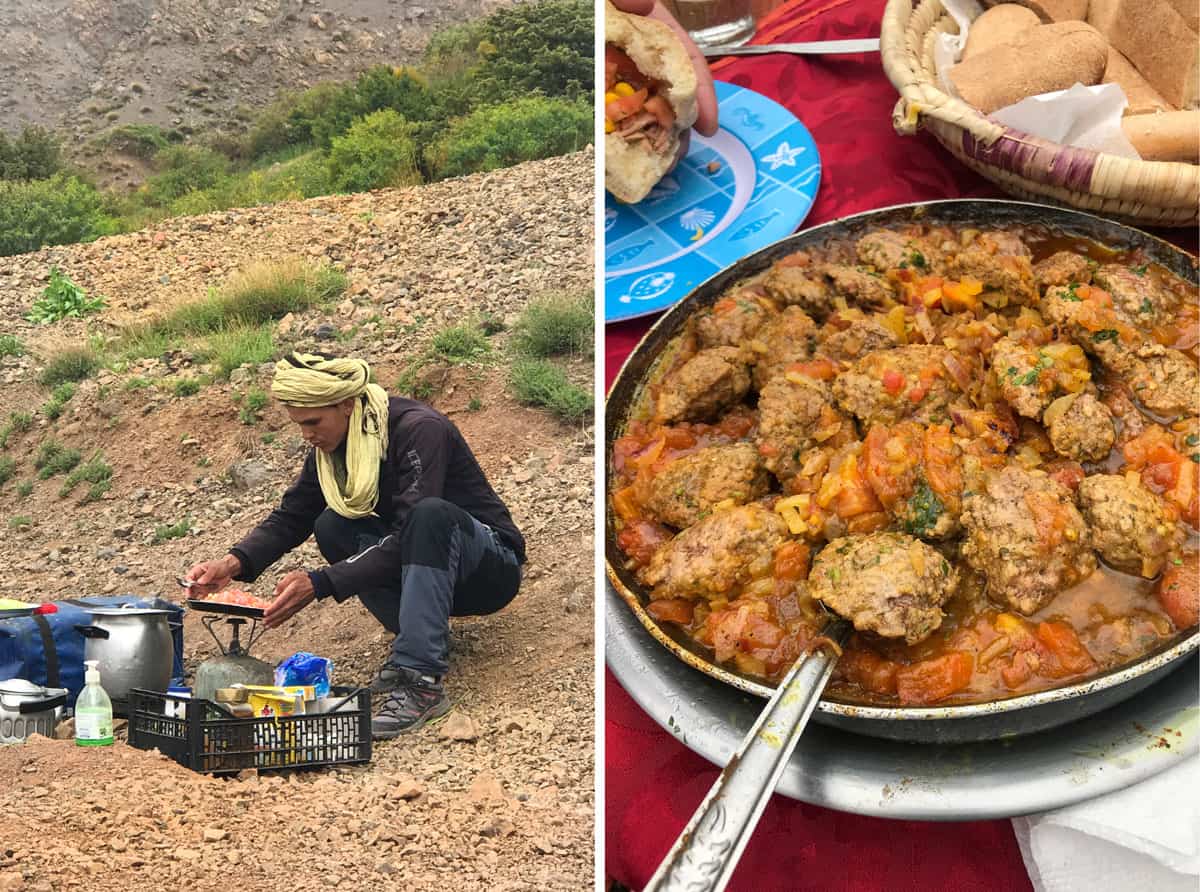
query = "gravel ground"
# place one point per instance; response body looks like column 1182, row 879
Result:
column 500, row 795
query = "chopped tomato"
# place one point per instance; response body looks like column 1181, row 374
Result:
column 1061, row 641
column 725, row 305
column 855, row 495
column 1166, row 470
column 821, row 369
column 619, row 67
column 943, row 470
column 1049, row 517
column 626, row 505
column 791, row 560
column 641, row 539
column 1178, row 592
column 623, row 106
column 1069, row 473
column 677, row 438
column 799, row 258
column 868, row 670
column 759, row 632
column 672, row 610
column 893, row 382
column 936, row 679
column 1019, row 670
column 736, row 425
column 889, row 458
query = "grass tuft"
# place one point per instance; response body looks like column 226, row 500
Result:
column 55, row 458
column 461, row 343
column 165, row 532
column 72, row 364
column 538, row 382
column 556, row 325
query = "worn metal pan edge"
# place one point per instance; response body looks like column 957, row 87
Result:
column 947, row 723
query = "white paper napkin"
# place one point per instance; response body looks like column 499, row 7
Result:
column 1146, row 837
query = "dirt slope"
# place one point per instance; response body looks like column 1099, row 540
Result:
column 509, row 810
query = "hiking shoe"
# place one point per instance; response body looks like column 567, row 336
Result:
column 386, row 680
column 417, row 699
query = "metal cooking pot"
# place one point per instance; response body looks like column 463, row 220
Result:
column 1011, row 717
column 27, row 708
column 134, row 648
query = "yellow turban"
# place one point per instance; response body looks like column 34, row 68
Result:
column 310, row 381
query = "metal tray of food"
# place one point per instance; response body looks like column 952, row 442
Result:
column 227, row 609
column 997, row 719
column 851, row 772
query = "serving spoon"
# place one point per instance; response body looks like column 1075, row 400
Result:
column 707, row 851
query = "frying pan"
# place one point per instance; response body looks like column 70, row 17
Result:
column 1009, row 717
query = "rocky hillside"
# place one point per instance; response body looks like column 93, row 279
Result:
column 80, row 66
column 500, row 797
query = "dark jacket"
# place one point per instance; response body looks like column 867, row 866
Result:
column 426, row 457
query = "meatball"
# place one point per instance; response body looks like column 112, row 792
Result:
column 789, row 337
column 800, row 286
column 886, row 583
column 1080, row 427
column 732, row 320
column 860, row 288
column 795, row 414
column 688, row 488
column 889, row 385
column 885, row 249
column 1132, row 528
column 1062, row 268
column 863, row 336
column 1024, row 534
column 724, row 550
column 698, row 390
column 1001, row 262
column 1137, row 294
column 1030, row 377
column 1163, row 380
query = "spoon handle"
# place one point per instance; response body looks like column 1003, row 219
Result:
column 707, row 851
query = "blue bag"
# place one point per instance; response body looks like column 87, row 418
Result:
column 47, row 650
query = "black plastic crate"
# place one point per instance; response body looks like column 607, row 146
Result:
column 207, row 739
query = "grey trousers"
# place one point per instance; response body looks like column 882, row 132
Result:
column 451, row 565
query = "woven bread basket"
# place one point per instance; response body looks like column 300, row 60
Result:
column 1148, row 193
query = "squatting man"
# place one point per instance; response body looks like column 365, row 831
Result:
column 405, row 517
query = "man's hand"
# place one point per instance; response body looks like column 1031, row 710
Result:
column 212, row 576
column 706, row 95
column 293, row 593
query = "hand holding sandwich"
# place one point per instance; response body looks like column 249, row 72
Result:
column 657, row 86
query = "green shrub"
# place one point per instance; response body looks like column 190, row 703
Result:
column 556, row 325
column 235, row 347
column 62, row 299
column 59, row 397
column 504, row 135
column 186, row 387
column 137, row 384
column 72, row 364
column 139, row 140
column 183, row 169
column 165, row 532
column 55, row 458
column 10, row 345
column 376, row 151
column 19, row 522
column 253, row 403
column 35, row 154
column 95, row 471
column 17, row 423
column 25, row 488
column 538, row 382
column 8, row 467
column 296, row 119
column 57, row 211
column 461, row 343
column 474, row 405
column 412, row 384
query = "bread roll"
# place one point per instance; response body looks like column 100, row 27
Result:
column 632, row 169
column 1142, row 97
column 998, row 25
column 1059, row 10
column 1042, row 59
column 1158, row 41
column 1168, row 136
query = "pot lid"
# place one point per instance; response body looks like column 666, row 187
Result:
column 23, row 688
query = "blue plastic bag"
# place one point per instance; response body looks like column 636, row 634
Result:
column 305, row 669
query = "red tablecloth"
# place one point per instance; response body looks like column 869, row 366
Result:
column 653, row 783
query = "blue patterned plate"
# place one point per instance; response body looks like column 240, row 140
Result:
column 698, row 221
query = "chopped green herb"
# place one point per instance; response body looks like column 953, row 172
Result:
column 1012, row 372
column 1192, row 439
column 924, row 509
column 1093, row 265
column 945, row 566
column 1106, row 334
column 833, row 573
column 1196, row 457
column 1140, row 270
column 747, row 306
column 1147, row 306
column 1178, row 562
column 918, row 259
column 1071, row 295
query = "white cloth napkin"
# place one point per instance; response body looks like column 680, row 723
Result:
column 1145, row 837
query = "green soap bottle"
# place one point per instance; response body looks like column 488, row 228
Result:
column 93, row 711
